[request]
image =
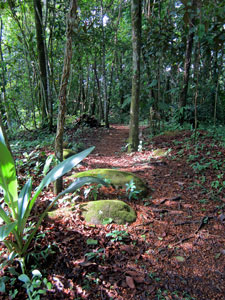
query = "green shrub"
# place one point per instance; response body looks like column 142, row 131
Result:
column 16, row 209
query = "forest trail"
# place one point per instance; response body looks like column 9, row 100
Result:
column 174, row 249
column 112, row 140
column 111, row 150
column 169, row 231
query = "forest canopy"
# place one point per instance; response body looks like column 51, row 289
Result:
column 182, row 61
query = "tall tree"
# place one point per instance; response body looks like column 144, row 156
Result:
column 42, row 58
column 104, row 69
column 191, row 17
column 136, row 45
column 71, row 19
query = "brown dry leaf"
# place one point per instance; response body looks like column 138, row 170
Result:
column 133, row 273
column 78, row 261
column 87, row 264
column 139, row 279
column 126, row 248
column 151, row 289
column 130, row 282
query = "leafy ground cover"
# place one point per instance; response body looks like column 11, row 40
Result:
column 174, row 250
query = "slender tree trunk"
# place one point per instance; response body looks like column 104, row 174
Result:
column 187, row 65
column 105, row 98
column 114, row 59
column 42, row 58
column 187, row 62
column 120, row 77
column 71, row 19
column 197, row 65
column 101, row 112
column 86, row 90
column 217, row 81
column 136, row 44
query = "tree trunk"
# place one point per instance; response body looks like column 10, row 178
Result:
column 217, row 81
column 71, row 19
column 196, row 77
column 104, row 79
column 42, row 58
column 187, row 62
column 111, row 82
column 136, row 44
column 100, row 112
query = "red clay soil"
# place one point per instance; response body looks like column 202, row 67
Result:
column 176, row 247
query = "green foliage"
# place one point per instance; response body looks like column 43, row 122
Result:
column 164, row 38
column 11, row 281
column 92, row 191
column 206, row 164
column 33, row 162
column 92, row 242
column 95, row 254
column 107, row 221
column 131, row 190
column 118, row 235
column 16, row 209
column 36, row 285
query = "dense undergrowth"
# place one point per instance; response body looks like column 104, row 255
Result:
column 198, row 169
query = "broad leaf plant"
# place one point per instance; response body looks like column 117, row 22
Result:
column 16, row 208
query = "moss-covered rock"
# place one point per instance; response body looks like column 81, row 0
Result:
column 60, row 213
column 171, row 133
column 117, row 178
column 67, row 153
column 95, row 212
column 159, row 153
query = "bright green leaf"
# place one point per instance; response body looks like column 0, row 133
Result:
column 81, row 181
column 6, row 229
column 24, row 278
column 107, row 221
column 153, row 83
column 59, row 171
column 2, row 286
column 47, row 164
column 180, row 258
column 23, row 201
column 92, row 242
column 8, row 180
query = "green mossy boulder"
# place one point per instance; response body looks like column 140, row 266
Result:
column 67, row 153
column 117, row 178
column 171, row 133
column 159, row 153
column 95, row 212
column 60, row 213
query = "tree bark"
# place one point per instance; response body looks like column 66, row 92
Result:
column 187, row 62
column 41, row 58
column 104, row 79
column 136, row 45
column 71, row 19
column 100, row 107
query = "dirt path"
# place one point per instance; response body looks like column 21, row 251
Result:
column 112, row 140
column 173, row 251
column 111, row 150
column 173, row 240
